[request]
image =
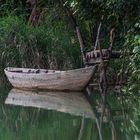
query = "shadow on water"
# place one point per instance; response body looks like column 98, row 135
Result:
column 67, row 116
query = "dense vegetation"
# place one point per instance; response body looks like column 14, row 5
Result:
column 46, row 38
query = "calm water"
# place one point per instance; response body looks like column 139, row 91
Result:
column 120, row 122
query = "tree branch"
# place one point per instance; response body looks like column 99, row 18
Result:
column 77, row 29
column 98, row 34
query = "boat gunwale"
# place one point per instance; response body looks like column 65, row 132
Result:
column 42, row 71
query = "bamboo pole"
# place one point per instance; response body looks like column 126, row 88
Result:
column 77, row 29
column 81, row 45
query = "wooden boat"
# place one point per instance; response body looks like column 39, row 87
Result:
column 73, row 80
column 74, row 103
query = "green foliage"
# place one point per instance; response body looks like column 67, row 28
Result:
column 53, row 45
column 13, row 7
column 133, row 41
column 132, row 89
column 45, row 46
column 120, row 14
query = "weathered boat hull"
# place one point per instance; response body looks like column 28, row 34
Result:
column 73, row 80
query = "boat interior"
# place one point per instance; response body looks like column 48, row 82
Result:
column 27, row 70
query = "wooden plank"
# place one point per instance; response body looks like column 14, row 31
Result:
column 74, row 103
column 93, row 57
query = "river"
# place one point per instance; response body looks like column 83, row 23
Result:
column 23, row 120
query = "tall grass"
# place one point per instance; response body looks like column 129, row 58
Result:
column 44, row 46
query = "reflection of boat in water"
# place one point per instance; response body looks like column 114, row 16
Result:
column 74, row 80
column 69, row 102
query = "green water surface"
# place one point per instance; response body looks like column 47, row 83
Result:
column 27, row 123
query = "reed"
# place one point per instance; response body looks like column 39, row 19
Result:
column 51, row 47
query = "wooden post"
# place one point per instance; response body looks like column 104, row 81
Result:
column 81, row 45
column 98, row 34
column 77, row 29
